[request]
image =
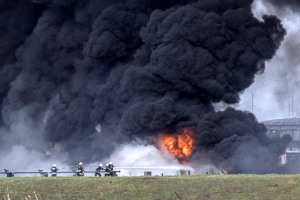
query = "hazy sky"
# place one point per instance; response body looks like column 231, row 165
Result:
column 272, row 90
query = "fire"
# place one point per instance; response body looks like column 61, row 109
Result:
column 181, row 146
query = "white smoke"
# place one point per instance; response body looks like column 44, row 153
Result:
column 21, row 159
column 136, row 158
column 275, row 91
column 25, row 147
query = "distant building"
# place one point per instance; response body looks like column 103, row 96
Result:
column 291, row 126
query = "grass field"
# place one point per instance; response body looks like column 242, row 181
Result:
column 153, row 188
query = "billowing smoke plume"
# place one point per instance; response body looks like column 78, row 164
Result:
column 135, row 69
column 235, row 141
column 54, row 2
column 276, row 89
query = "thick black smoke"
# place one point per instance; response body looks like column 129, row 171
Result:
column 137, row 69
column 237, row 142
column 18, row 19
column 54, row 2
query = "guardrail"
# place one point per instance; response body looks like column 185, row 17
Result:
column 45, row 174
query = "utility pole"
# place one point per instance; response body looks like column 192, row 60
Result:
column 292, row 103
column 289, row 108
column 252, row 101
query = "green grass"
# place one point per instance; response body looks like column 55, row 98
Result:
column 155, row 188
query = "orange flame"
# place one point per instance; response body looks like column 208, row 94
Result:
column 181, row 146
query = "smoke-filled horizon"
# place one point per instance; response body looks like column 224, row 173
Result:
column 275, row 93
column 84, row 77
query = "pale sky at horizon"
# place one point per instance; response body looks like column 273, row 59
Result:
column 272, row 90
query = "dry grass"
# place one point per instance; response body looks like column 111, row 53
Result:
column 155, row 188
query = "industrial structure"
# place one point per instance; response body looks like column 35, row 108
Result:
column 291, row 126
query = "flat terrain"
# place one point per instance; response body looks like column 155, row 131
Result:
column 155, row 188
